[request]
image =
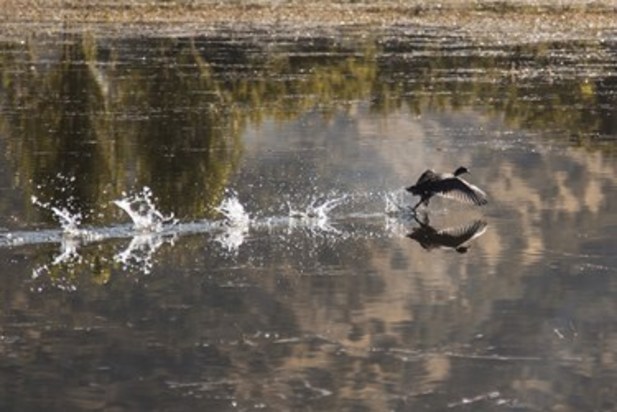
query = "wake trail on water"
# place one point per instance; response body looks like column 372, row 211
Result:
column 321, row 218
column 321, row 214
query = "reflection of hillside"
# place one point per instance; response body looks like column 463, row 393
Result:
column 437, row 304
column 301, row 322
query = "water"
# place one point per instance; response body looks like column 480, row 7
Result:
column 220, row 223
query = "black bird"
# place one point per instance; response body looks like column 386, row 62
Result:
column 446, row 185
column 457, row 238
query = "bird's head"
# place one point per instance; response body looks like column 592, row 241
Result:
column 461, row 170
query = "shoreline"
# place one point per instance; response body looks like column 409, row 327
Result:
column 494, row 21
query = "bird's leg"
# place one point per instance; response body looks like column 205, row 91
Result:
column 423, row 199
column 422, row 219
column 426, row 221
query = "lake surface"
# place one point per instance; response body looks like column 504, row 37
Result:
column 291, row 275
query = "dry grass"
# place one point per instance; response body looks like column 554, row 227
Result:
column 497, row 20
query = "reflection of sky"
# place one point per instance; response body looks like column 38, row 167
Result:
column 532, row 182
column 549, row 211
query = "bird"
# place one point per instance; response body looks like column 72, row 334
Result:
column 448, row 185
column 457, row 238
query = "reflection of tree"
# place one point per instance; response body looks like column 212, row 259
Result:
column 537, row 86
column 54, row 125
column 186, row 144
column 73, row 118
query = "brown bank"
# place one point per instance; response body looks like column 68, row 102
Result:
column 523, row 20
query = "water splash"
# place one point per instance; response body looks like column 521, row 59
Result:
column 69, row 257
column 396, row 204
column 315, row 218
column 68, row 221
column 232, row 237
column 69, row 252
column 140, row 208
column 236, row 224
column 139, row 254
column 398, row 213
column 233, row 211
column 317, row 209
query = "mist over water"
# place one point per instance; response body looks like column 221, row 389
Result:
column 220, row 223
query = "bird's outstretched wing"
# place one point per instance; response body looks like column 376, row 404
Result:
column 461, row 190
column 428, row 176
column 456, row 236
column 424, row 182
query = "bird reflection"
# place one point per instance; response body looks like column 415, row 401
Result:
column 456, row 238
